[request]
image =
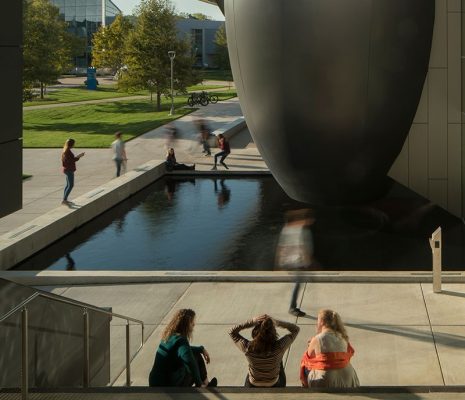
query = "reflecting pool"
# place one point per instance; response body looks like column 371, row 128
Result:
column 181, row 223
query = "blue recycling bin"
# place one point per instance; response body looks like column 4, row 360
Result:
column 91, row 81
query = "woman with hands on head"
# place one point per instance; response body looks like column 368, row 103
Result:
column 177, row 363
column 265, row 351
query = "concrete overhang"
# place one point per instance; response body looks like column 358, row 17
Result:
column 219, row 3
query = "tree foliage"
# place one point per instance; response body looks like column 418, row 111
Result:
column 147, row 65
column 222, row 55
column 198, row 16
column 47, row 46
column 108, row 44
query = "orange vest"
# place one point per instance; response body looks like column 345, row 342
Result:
column 325, row 361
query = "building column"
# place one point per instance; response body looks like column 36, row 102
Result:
column 11, row 107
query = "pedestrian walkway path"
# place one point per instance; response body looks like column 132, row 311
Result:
column 124, row 98
column 43, row 192
column 403, row 334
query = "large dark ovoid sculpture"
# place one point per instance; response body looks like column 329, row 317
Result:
column 329, row 88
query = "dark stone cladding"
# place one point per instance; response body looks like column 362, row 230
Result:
column 329, row 90
column 11, row 107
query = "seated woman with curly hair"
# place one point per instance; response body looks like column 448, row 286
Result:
column 326, row 362
column 265, row 351
column 177, row 363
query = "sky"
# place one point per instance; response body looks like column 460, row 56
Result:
column 187, row 6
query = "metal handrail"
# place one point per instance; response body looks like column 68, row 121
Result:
column 86, row 368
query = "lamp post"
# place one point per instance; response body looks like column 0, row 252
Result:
column 172, row 54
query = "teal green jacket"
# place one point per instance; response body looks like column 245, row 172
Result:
column 173, row 360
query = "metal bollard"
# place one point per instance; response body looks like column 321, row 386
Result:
column 128, row 355
column 86, row 358
column 436, row 247
column 24, row 355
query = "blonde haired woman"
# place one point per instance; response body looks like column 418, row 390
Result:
column 326, row 362
column 68, row 161
column 177, row 363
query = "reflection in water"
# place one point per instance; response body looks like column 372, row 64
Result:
column 223, row 194
column 180, row 224
column 70, row 264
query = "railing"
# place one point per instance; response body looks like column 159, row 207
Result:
column 86, row 365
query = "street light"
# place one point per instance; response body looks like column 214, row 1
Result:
column 172, row 54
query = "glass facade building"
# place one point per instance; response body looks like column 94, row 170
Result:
column 84, row 17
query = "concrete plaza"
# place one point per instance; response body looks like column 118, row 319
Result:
column 403, row 333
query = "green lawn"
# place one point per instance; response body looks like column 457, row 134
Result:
column 216, row 75
column 68, row 95
column 205, row 87
column 93, row 125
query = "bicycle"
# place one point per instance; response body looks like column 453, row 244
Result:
column 198, row 98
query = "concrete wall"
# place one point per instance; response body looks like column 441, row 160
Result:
column 20, row 243
column 433, row 154
column 56, row 352
column 11, row 108
column 463, row 104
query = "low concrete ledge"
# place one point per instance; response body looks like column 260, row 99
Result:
column 21, row 243
column 222, row 173
column 228, row 131
column 56, row 278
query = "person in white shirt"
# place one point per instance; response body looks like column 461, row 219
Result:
column 119, row 152
column 295, row 250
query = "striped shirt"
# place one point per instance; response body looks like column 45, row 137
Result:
column 264, row 368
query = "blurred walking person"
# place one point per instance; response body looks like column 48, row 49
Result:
column 68, row 161
column 171, row 134
column 119, row 152
column 295, row 250
column 204, row 136
column 225, row 151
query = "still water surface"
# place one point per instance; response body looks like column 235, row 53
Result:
column 234, row 224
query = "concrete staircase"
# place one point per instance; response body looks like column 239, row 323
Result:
column 290, row 393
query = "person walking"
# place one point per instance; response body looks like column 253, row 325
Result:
column 119, row 152
column 177, row 363
column 225, row 151
column 295, row 250
column 265, row 351
column 68, row 161
column 204, row 136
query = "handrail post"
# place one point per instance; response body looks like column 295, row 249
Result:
column 86, row 372
column 436, row 247
column 128, row 355
column 24, row 355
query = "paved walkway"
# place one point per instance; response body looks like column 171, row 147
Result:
column 43, row 192
column 113, row 99
column 403, row 334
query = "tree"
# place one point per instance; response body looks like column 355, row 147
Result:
column 108, row 44
column 147, row 65
column 198, row 16
column 222, row 55
column 47, row 46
